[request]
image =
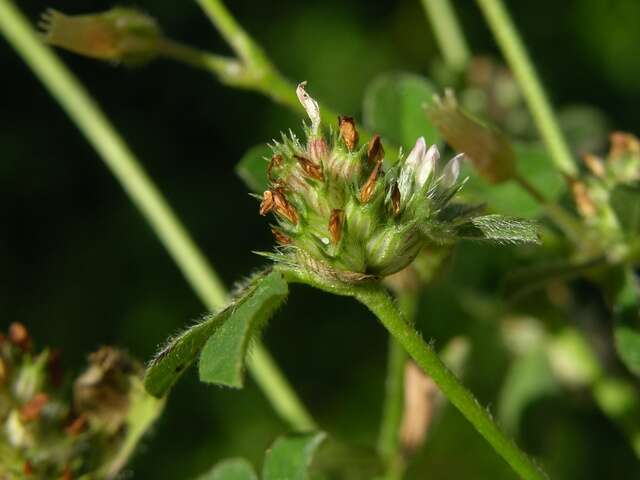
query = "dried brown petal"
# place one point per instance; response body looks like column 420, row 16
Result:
column 281, row 238
column 27, row 469
column 19, row 336
column 284, row 208
column 267, row 202
column 375, row 151
column 30, row 411
column 309, row 168
column 370, row 185
column 4, row 372
column 335, row 225
column 348, row 132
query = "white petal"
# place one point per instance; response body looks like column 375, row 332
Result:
column 416, row 154
column 427, row 165
column 407, row 174
column 451, row 171
column 310, row 105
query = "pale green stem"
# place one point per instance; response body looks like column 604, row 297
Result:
column 393, row 407
column 88, row 117
column 383, row 307
column 514, row 51
column 448, row 33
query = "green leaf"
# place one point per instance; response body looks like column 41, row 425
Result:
column 179, row 353
column 393, row 107
column 529, row 378
column 290, row 457
column 231, row 469
column 626, row 314
column 222, row 358
column 500, row 229
column 252, row 168
column 509, row 198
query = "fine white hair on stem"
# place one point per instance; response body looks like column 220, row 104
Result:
column 310, row 105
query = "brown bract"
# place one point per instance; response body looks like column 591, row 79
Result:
column 281, row 238
column 335, row 225
column 309, row 168
column 395, row 199
column 370, row 185
column 375, row 151
column 348, row 132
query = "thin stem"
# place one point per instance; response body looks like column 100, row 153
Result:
column 88, row 117
column 389, row 440
column 448, row 33
column 374, row 297
column 514, row 51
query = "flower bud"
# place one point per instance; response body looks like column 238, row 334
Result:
column 120, row 34
column 487, row 148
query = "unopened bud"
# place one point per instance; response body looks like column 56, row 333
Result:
column 375, row 151
column 318, row 149
column 370, row 186
column 335, row 225
column 309, row 168
column 120, row 34
column 487, row 148
column 348, row 132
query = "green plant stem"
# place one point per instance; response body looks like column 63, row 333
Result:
column 88, row 117
column 374, row 297
column 448, row 33
column 388, row 439
column 514, row 51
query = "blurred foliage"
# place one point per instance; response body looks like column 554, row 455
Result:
column 81, row 268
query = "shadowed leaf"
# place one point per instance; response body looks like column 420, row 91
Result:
column 252, row 168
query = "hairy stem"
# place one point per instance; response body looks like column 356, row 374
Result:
column 448, row 33
column 88, row 117
column 514, row 51
column 389, row 440
column 374, row 297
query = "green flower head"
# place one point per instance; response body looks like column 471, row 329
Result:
column 341, row 209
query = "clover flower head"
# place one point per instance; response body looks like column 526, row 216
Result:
column 343, row 210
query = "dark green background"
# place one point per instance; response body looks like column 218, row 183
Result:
column 80, row 267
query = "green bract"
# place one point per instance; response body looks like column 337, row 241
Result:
column 342, row 212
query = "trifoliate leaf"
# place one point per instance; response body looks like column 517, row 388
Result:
column 500, row 229
column 231, row 469
column 222, row 358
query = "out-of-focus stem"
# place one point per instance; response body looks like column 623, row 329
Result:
column 92, row 122
column 448, row 33
column 516, row 55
